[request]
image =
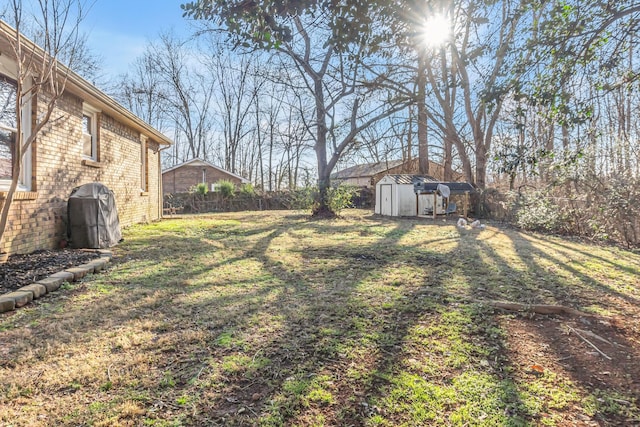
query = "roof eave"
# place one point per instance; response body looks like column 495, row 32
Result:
column 242, row 179
column 80, row 87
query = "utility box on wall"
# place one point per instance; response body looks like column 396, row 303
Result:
column 92, row 217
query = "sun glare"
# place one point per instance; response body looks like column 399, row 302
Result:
column 436, row 30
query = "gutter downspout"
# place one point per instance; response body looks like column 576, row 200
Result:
column 160, row 189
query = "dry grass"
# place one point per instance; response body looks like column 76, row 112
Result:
column 268, row 318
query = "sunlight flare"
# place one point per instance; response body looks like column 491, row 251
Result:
column 435, row 31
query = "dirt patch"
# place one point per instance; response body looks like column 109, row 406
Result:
column 22, row 270
column 599, row 353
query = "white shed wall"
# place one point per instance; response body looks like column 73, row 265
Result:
column 406, row 200
column 385, row 199
column 395, row 199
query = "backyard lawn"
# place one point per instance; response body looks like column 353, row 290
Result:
column 272, row 319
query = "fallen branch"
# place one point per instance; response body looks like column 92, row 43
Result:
column 515, row 306
column 538, row 308
column 589, row 342
column 596, row 336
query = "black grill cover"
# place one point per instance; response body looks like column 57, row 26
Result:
column 93, row 217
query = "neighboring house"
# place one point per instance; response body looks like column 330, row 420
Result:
column 361, row 175
column 436, row 171
column 368, row 174
column 90, row 138
column 181, row 178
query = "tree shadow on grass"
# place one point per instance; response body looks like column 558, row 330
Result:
column 273, row 324
column 332, row 348
column 553, row 341
column 333, row 334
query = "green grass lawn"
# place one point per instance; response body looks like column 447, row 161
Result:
column 272, row 319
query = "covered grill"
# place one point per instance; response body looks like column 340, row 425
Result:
column 92, row 217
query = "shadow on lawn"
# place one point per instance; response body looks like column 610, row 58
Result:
column 328, row 320
column 267, row 346
column 552, row 341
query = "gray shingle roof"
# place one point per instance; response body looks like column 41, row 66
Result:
column 410, row 179
column 455, row 187
column 365, row 170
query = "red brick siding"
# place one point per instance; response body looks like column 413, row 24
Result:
column 181, row 179
column 58, row 168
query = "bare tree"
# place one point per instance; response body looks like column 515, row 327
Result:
column 237, row 93
column 142, row 91
column 188, row 91
column 39, row 75
column 473, row 74
column 336, row 82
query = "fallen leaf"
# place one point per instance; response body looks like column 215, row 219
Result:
column 537, row 368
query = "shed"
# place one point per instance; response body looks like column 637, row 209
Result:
column 93, row 217
column 395, row 195
column 413, row 195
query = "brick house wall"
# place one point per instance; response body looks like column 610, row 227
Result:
column 38, row 218
column 182, row 178
column 127, row 161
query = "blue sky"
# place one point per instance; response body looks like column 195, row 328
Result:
column 118, row 30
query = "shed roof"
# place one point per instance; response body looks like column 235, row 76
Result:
column 428, row 184
column 454, row 187
column 411, row 179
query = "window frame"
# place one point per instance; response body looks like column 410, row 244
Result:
column 25, row 116
column 144, row 161
column 94, row 131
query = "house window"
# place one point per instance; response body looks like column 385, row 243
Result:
column 144, row 161
column 9, row 136
column 89, row 132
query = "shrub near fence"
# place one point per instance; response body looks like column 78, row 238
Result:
column 217, row 202
column 248, row 200
column 605, row 210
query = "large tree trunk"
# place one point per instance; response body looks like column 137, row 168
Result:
column 324, row 171
column 481, row 163
column 423, row 146
column 448, row 160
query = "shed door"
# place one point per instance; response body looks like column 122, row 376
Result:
column 386, row 199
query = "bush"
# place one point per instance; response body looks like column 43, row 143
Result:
column 226, row 188
column 201, row 189
column 247, row 189
column 303, row 199
column 617, row 203
column 599, row 208
column 537, row 212
column 341, row 197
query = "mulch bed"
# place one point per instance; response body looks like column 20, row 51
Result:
column 22, row 270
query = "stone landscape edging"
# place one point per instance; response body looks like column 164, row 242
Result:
column 23, row 296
